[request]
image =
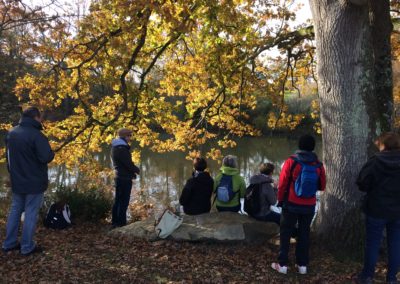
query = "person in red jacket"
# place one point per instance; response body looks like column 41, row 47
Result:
column 301, row 176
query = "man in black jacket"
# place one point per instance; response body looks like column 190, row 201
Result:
column 28, row 153
column 125, row 171
column 380, row 179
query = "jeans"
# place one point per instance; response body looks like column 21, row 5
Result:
column 123, row 189
column 287, row 228
column 374, row 233
column 228, row 209
column 270, row 217
column 30, row 203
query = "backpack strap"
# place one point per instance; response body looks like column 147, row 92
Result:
column 286, row 196
column 296, row 161
column 317, row 164
column 215, row 193
column 215, row 197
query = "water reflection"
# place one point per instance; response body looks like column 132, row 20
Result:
column 163, row 175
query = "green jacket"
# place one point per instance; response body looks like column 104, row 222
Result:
column 237, row 183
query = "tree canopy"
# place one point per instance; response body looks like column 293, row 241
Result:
column 178, row 73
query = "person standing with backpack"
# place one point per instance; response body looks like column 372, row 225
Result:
column 301, row 177
column 229, row 186
column 28, row 153
column 125, row 171
column 263, row 192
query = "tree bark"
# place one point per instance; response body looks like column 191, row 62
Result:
column 346, row 90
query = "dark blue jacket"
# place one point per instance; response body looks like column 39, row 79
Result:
column 28, row 153
column 122, row 160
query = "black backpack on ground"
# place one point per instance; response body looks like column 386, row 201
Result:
column 58, row 216
column 252, row 199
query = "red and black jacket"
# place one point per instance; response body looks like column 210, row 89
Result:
column 290, row 171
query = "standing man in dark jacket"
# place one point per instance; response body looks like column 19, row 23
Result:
column 125, row 171
column 196, row 195
column 380, row 179
column 28, row 153
column 297, row 209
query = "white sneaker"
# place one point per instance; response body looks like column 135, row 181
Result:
column 302, row 269
column 280, row 269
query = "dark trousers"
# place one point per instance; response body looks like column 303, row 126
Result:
column 374, row 233
column 122, row 196
column 288, row 224
column 228, row 209
column 270, row 217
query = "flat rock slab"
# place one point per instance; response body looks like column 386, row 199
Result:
column 224, row 226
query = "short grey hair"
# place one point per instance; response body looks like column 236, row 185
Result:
column 230, row 161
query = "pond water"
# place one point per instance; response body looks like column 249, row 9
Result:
column 164, row 175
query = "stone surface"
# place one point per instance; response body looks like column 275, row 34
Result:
column 224, row 226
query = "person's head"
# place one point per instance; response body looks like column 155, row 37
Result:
column 266, row 168
column 306, row 143
column 230, row 161
column 199, row 164
column 388, row 141
column 125, row 133
column 32, row 112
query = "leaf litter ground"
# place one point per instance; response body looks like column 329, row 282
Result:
column 87, row 254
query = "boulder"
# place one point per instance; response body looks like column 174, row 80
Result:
column 224, row 226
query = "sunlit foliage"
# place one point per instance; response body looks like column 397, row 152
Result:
column 396, row 59
column 179, row 73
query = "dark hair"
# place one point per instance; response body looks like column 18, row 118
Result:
column 199, row 164
column 390, row 140
column 307, row 143
column 266, row 168
column 31, row 112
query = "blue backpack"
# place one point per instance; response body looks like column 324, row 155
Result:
column 224, row 190
column 307, row 183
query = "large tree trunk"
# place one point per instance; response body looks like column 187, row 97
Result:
column 346, row 82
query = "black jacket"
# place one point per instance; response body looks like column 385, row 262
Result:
column 122, row 160
column 28, row 153
column 380, row 179
column 196, row 195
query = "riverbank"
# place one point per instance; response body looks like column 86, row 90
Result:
column 86, row 253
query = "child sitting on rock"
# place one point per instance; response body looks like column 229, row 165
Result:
column 196, row 195
column 267, row 194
